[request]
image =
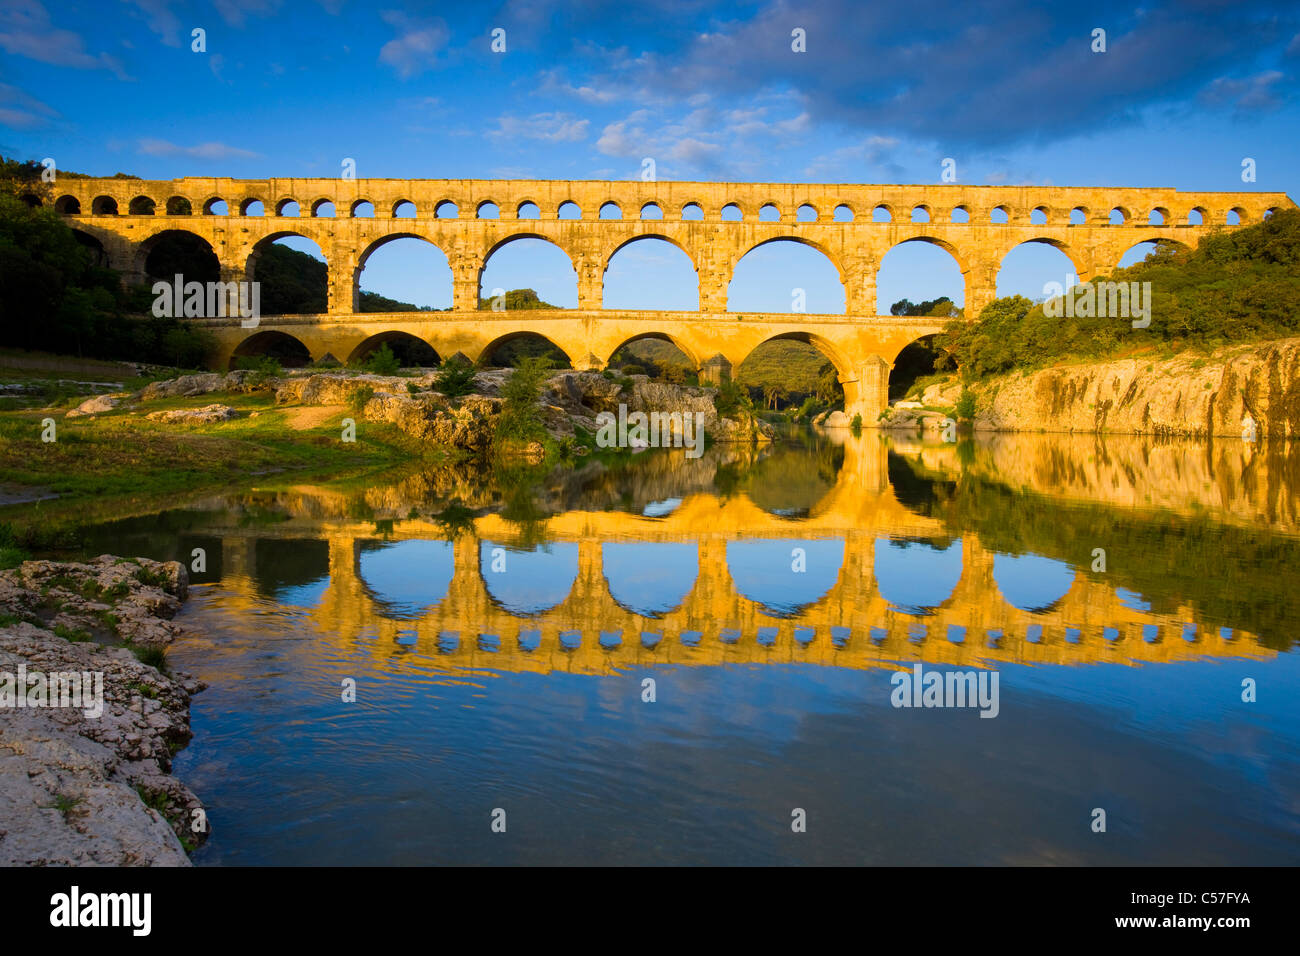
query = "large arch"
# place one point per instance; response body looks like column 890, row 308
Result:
column 518, row 336
column 401, row 260
column 1033, row 267
column 761, row 568
column 288, row 350
column 691, row 355
column 649, row 282
column 649, row 578
column 914, row 361
column 524, row 259
column 406, row 579
column 528, row 581
column 910, row 270
column 792, row 279
column 289, row 286
column 916, row 577
column 171, row 252
column 1140, row 250
column 410, row 350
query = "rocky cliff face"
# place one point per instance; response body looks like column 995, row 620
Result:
column 79, row 787
column 1188, row 395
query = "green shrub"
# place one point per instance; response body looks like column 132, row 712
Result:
column 965, row 407
column 359, row 398
column 382, row 361
column 856, row 424
column 455, row 379
column 521, row 418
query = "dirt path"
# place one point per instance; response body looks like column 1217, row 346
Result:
column 311, row 416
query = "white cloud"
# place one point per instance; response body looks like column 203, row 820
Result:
column 160, row 147
column 549, row 127
column 417, row 45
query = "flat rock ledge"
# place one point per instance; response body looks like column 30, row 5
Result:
column 76, row 788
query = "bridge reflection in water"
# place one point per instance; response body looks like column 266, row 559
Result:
column 711, row 582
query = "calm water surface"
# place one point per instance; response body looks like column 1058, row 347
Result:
column 501, row 632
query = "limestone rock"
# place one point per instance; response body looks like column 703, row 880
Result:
column 97, row 405
column 194, row 416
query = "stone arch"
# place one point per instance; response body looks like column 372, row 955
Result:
column 690, row 259
column 1163, row 213
column 769, row 212
column 674, row 340
column 398, row 204
column 843, row 213
column 1040, row 216
column 1031, row 582
column 913, row 361
column 246, row 206
column 1000, row 215
column 757, row 566
column 378, row 243
column 272, row 300
column 609, row 206
column 652, row 211
column 917, row 577
column 843, row 367
column 1080, row 266
column 103, row 206
column 623, row 566
column 290, row 351
column 1243, row 217
column 736, row 262
column 737, row 214
column 282, row 205
column 921, row 213
column 92, row 245
column 410, row 349
column 1156, row 241
column 1082, row 218
column 555, row 563
column 318, row 205
column 385, row 573
column 536, row 210
column 33, row 201
column 694, row 207
column 568, row 210
column 481, row 210
column 68, row 205
column 959, row 260
column 960, row 213
column 807, row 212
column 441, row 207
column 882, row 212
column 142, row 206
column 487, row 350
column 357, row 209
column 160, row 256
column 1198, row 216
column 1125, row 215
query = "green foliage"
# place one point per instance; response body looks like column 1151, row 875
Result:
column 1235, row 287
column 359, row 398
column 293, row 283
column 155, row 657
column 796, row 368
column 965, row 407
column 521, row 418
column 518, row 299
column 455, row 379
column 264, row 368
column 733, row 399
column 940, row 308
column 856, row 424
column 382, row 361
column 374, row 302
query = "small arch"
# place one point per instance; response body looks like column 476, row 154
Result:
column 323, row 209
column 882, row 213
column 1268, row 212
column 68, row 205
column 179, row 206
column 692, row 212
column 252, row 207
column 1158, row 216
column 290, row 352
column 528, row 210
column 142, row 206
column 506, row 350
column 568, row 210
column 610, row 210
column 960, row 214
column 651, row 210
column 411, row 352
column 103, row 206
column 1000, row 215
column 806, row 213
column 843, row 213
column 1196, row 216
column 1235, row 216
column 362, row 209
column 404, row 209
column 1038, row 216
column 288, row 208
column 731, row 213
column 487, row 210
column 1079, row 216
column 1118, row 216
column 769, row 213
column 921, row 213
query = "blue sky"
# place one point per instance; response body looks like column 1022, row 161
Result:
column 1011, row 91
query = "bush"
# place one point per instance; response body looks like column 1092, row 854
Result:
column 358, row 399
column 455, row 379
column 521, row 419
column 856, row 424
column 263, row 367
column 382, row 361
column 965, row 407
column 732, row 399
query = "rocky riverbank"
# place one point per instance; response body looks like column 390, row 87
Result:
column 570, row 402
column 88, row 782
column 1228, row 393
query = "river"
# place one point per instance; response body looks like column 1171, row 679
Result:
column 669, row 660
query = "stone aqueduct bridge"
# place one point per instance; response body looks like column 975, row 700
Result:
column 129, row 216
column 851, row 625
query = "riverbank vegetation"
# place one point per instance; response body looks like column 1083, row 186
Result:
column 1235, row 287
